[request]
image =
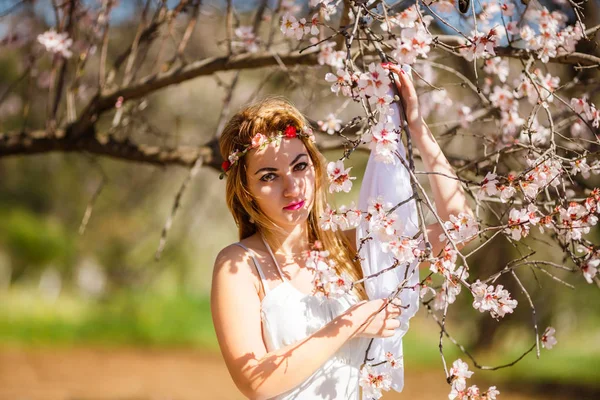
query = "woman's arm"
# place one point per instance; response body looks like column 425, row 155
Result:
column 236, row 312
column 448, row 194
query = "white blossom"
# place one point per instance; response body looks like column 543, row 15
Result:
column 57, row 43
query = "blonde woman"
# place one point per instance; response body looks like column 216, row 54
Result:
column 278, row 340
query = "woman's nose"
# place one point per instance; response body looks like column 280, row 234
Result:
column 292, row 186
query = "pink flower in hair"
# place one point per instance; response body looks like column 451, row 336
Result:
column 258, row 140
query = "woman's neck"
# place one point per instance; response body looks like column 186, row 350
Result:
column 291, row 242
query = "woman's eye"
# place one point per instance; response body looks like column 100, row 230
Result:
column 267, row 177
column 300, row 166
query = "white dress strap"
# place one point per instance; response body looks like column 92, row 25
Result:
column 283, row 278
column 256, row 263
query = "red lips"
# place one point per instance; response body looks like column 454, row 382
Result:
column 294, row 206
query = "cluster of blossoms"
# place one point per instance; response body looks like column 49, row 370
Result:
column 460, row 228
column 372, row 382
column 481, row 45
column 341, row 81
column 576, row 219
column 496, row 66
column 292, row 27
column 339, row 177
column 540, row 175
column 520, row 221
column 536, row 87
column 497, row 301
column 343, row 218
column 247, row 39
column 586, row 110
column 260, row 141
column 383, row 139
column 590, row 263
column 445, row 265
column 581, row 166
column 553, row 38
column 546, row 85
column 414, row 40
column 459, row 373
column 57, row 43
column 382, row 224
column 327, row 281
column 328, row 55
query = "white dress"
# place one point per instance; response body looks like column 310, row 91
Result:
column 289, row 315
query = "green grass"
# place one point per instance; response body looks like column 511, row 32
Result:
column 146, row 319
column 179, row 319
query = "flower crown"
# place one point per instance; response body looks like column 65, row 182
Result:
column 260, row 141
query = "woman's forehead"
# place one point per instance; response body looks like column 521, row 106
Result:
column 275, row 153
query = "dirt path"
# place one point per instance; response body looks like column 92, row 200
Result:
column 146, row 374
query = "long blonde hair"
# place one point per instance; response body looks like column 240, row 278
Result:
column 267, row 117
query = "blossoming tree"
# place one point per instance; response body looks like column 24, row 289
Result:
column 534, row 137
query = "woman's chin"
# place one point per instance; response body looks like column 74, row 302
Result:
column 295, row 217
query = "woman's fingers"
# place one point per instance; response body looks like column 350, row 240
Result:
column 394, row 310
column 392, row 324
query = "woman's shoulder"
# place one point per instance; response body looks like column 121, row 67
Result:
column 234, row 263
column 236, row 254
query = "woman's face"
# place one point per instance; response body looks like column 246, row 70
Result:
column 281, row 178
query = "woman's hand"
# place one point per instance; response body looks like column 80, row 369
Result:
column 377, row 318
column 408, row 95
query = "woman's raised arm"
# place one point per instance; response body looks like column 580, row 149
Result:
column 448, row 194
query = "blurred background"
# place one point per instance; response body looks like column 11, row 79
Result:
column 93, row 315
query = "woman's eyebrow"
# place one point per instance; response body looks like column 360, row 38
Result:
column 271, row 169
column 297, row 158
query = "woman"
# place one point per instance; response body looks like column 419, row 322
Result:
column 277, row 340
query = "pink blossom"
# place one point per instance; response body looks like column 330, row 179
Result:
column 394, row 363
column 548, row 340
column 342, row 81
column 258, row 141
column 405, row 250
column 590, row 269
column 373, row 382
column 461, row 228
column 508, row 9
column 248, row 39
column 289, row 25
column 464, row 116
column 459, row 373
column 383, row 138
column 339, row 177
column 496, row 66
column 329, row 56
column 375, row 82
column 497, row 301
column 331, row 124
column 489, row 185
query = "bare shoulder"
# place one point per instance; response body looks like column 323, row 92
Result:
column 235, row 263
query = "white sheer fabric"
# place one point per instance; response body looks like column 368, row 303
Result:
column 392, row 182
